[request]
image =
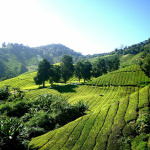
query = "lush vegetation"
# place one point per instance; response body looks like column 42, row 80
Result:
column 22, row 118
column 110, row 111
column 16, row 58
column 132, row 75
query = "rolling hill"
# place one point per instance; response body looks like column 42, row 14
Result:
column 110, row 124
column 16, row 59
column 117, row 102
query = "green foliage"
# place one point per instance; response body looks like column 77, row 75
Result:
column 10, row 133
column 143, row 124
column 146, row 64
column 41, row 119
column 43, row 73
column 4, row 93
column 15, row 109
column 67, row 67
column 125, row 143
column 99, row 68
column 38, row 116
column 86, row 70
column 78, row 69
column 55, row 74
column 139, row 142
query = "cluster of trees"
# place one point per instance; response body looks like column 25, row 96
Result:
column 134, row 49
column 82, row 69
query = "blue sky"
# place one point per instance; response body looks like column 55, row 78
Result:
column 87, row 26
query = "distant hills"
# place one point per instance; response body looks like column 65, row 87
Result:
column 16, row 58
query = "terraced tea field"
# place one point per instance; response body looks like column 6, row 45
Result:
column 132, row 75
column 116, row 101
column 111, row 110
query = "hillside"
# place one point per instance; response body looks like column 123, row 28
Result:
column 117, row 102
column 111, row 117
column 111, row 123
column 132, row 75
column 16, row 59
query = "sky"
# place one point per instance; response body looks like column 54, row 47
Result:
column 86, row 26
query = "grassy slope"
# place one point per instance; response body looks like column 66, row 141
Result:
column 112, row 110
column 130, row 59
column 132, row 75
column 103, row 125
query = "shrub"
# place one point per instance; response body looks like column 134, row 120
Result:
column 10, row 129
column 143, row 124
column 15, row 109
column 41, row 119
column 4, row 93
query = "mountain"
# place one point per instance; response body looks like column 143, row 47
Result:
column 17, row 58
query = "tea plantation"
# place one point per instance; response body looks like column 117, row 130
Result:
column 118, row 115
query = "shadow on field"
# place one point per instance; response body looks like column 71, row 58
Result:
column 65, row 88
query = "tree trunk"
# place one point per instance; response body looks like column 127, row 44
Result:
column 43, row 83
column 51, row 83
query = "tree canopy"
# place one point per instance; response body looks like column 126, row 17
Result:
column 78, row 69
column 86, row 71
column 67, row 67
column 55, row 74
column 43, row 73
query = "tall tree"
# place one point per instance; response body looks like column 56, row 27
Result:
column 99, row 68
column 43, row 73
column 55, row 74
column 67, row 67
column 86, row 71
column 78, row 69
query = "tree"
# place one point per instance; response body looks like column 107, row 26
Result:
column 116, row 63
column 78, row 69
column 67, row 67
column 86, row 71
column 99, row 68
column 55, row 74
column 43, row 73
